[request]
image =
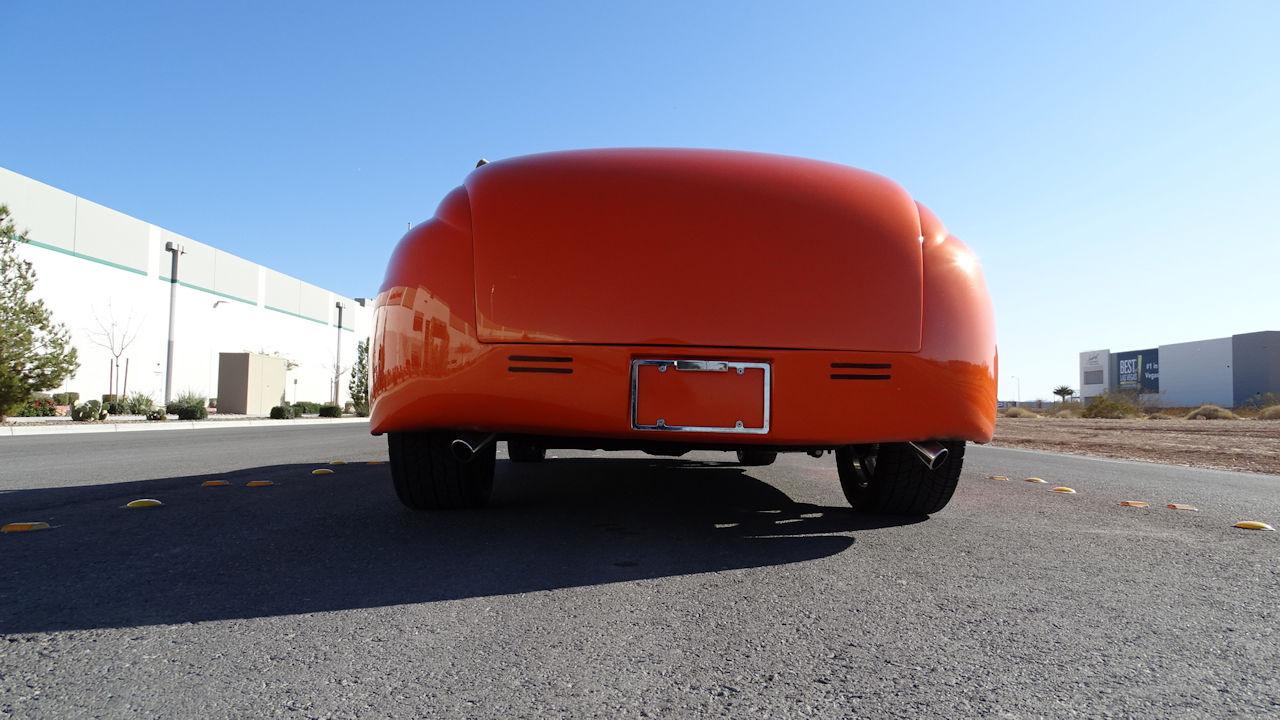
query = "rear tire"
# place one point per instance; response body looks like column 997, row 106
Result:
column 520, row 451
column 888, row 479
column 427, row 476
column 756, row 458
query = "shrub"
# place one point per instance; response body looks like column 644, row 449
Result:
column 362, row 409
column 1262, row 401
column 281, row 412
column 189, row 406
column 88, row 411
column 66, row 398
column 1210, row 412
column 157, row 414
column 1111, row 407
column 1271, row 413
column 1017, row 412
column 117, row 407
column 191, row 397
column 1066, row 414
column 330, row 411
column 38, row 407
column 190, row 412
column 305, row 406
column 139, row 403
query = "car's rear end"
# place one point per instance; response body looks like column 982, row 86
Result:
column 680, row 298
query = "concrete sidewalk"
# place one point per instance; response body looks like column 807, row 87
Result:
column 78, row 428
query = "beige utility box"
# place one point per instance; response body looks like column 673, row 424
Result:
column 249, row 383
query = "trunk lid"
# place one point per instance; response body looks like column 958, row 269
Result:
column 693, row 247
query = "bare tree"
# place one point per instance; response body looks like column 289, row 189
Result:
column 336, row 375
column 115, row 337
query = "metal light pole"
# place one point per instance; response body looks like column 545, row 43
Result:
column 1019, row 382
column 337, row 356
column 175, row 249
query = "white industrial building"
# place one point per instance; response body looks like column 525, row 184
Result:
column 1230, row 371
column 96, row 266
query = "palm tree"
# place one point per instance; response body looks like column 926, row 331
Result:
column 1064, row 392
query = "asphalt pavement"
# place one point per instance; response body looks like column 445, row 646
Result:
column 610, row 585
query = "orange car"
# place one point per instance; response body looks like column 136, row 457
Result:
column 676, row 300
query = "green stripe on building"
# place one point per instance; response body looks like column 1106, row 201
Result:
column 294, row 314
column 82, row 256
column 237, row 298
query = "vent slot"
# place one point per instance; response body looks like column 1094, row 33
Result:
column 539, row 358
column 554, row 364
column 860, row 366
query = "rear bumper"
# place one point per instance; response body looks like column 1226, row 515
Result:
column 446, row 380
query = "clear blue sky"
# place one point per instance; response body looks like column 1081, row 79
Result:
column 1115, row 165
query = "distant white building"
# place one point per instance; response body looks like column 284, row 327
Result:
column 96, row 266
column 1228, row 371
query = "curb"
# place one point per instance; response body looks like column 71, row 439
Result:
column 23, row 431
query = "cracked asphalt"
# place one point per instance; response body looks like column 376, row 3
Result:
column 621, row 585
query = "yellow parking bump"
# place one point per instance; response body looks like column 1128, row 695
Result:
column 376, row 462
column 1179, row 506
column 322, row 471
column 214, row 483
column 258, row 483
column 14, row 527
column 1064, row 490
column 997, row 477
column 1036, row 480
column 1253, row 525
column 144, row 503
column 1135, row 503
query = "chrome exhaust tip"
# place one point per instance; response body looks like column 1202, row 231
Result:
column 466, row 448
column 931, row 453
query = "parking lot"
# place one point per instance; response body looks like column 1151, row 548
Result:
column 615, row 585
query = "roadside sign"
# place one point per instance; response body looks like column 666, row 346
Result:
column 1138, row 370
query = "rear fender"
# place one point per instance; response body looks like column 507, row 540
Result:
column 425, row 314
column 958, row 332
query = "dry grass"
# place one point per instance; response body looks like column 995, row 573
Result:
column 1064, row 410
column 1210, row 412
column 1270, row 413
column 1017, row 412
column 1111, row 407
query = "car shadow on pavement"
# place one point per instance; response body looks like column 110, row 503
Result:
column 313, row 543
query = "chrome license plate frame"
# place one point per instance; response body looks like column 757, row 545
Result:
column 689, row 365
